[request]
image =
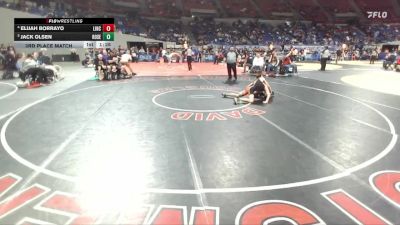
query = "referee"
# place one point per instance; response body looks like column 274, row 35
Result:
column 189, row 58
column 231, row 59
column 324, row 58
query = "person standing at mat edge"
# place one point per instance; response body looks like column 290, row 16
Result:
column 324, row 58
column 189, row 58
column 231, row 58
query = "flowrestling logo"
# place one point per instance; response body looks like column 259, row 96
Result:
column 377, row 14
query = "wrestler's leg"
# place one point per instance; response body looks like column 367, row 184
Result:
column 244, row 100
column 235, row 95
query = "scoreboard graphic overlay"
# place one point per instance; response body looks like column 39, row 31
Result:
column 64, row 33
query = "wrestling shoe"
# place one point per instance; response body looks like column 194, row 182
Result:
column 223, row 95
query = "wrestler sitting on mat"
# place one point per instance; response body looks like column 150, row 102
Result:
column 258, row 89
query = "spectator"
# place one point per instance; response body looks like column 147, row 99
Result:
column 3, row 53
column 273, row 63
column 43, row 59
column 338, row 55
column 135, row 57
column 199, row 57
column 389, row 61
column 258, row 62
column 10, row 65
column 189, row 55
column 374, row 56
column 20, row 59
column 216, row 56
column 100, row 66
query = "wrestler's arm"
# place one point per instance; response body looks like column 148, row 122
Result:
column 268, row 91
column 252, row 83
